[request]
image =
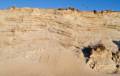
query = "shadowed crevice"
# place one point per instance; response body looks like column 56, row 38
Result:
column 87, row 51
column 117, row 43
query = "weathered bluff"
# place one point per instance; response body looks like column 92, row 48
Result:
column 61, row 38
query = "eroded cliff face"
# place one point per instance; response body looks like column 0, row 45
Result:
column 57, row 38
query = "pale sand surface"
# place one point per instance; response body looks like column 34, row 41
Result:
column 45, row 70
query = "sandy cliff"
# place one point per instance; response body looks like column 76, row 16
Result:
column 58, row 42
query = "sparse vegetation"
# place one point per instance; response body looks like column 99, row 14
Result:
column 13, row 7
column 69, row 8
column 94, row 11
column 60, row 9
column 108, row 11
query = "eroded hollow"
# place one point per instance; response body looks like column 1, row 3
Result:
column 100, row 58
column 117, row 43
column 87, row 51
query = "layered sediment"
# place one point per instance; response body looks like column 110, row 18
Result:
column 65, row 40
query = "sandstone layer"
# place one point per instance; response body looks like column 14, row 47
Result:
column 58, row 42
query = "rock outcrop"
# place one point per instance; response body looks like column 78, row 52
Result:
column 61, row 37
column 101, row 59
